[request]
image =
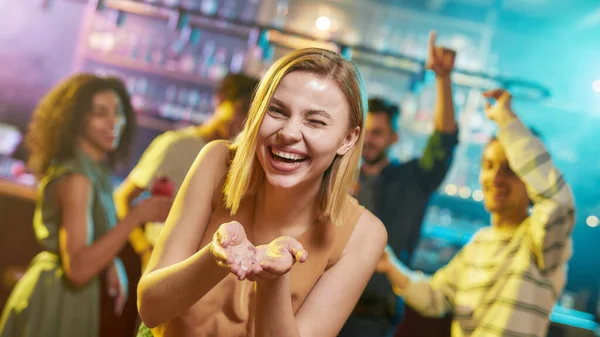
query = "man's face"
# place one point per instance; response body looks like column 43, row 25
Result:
column 502, row 189
column 379, row 136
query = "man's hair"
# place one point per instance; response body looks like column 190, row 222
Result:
column 235, row 87
column 380, row 105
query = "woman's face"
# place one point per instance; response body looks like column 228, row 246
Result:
column 105, row 122
column 305, row 127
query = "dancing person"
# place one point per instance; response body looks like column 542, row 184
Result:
column 506, row 280
column 171, row 154
column 249, row 210
column 398, row 193
column 80, row 128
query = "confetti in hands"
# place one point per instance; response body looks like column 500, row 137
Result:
column 232, row 249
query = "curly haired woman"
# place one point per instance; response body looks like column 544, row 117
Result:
column 79, row 130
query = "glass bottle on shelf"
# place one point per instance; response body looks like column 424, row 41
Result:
column 142, row 49
column 124, row 42
column 193, row 99
column 209, row 7
column 158, row 52
column 140, row 93
column 208, row 52
column 219, row 68
column 191, row 4
column 182, row 112
column 170, row 3
column 250, row 10
column 174, row 51
column 94, row 38
column 188, row 62
column 237, row 61
column 167, row 108
column 227, row 9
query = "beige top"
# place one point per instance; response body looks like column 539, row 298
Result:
column 227, row 309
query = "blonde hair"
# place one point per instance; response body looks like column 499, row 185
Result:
column 245, row 172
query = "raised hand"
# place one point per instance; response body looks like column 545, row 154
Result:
column 232, row 250
column 501, row 112
column 277, row 258
column 440, row 59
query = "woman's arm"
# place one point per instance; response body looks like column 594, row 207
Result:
column 333, row 297
column 84, row 260
column 179, row 274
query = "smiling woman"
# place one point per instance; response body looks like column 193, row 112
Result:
column 275, row 197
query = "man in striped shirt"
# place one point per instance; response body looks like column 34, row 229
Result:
column 506, row 280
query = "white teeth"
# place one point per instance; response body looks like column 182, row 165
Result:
column 287, row 155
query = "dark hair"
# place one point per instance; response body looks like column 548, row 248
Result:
column 58, row 121
column 380, row 105
column 235, row 87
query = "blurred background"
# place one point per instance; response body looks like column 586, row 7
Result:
column 172, row 54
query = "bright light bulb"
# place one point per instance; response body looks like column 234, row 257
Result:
column 464, row 192
column 323, row 23
column 478, row 195
column 592, row 221
column 451, row 189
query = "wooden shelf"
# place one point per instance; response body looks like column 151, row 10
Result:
column 174, row 15
column 368, row 55
column 119, row 61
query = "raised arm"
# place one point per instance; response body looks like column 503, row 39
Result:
column 334, row 296
column 435, row 161
column 82, row 258
column 179, row 274
column 553, row 214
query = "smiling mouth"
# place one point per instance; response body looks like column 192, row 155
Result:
column 286, row 157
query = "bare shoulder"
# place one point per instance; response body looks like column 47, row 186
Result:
column 216, row 149
column 213, row 158
column 369, row 230
column 74, row 187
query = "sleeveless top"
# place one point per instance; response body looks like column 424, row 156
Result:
column 44, row 303
column 226, row 310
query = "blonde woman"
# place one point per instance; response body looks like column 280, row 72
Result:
column 248, row 211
